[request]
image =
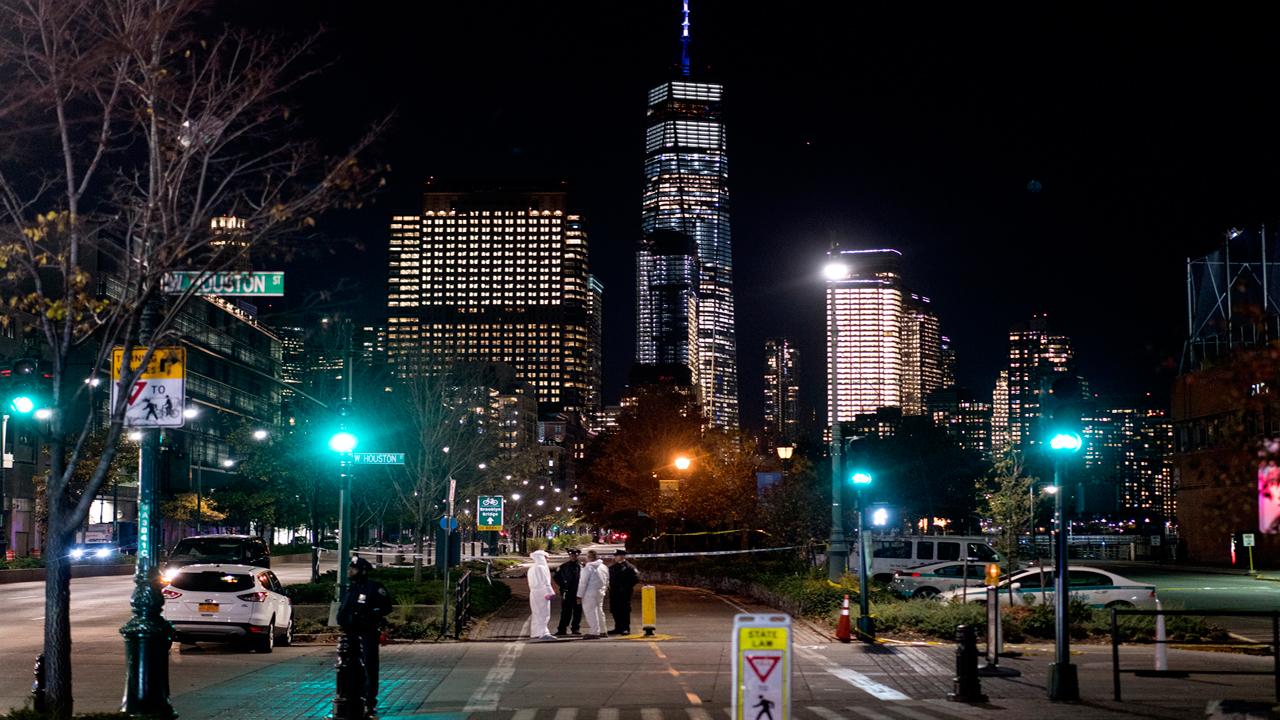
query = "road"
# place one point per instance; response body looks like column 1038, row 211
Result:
column 1190, row 589
column 99, row 606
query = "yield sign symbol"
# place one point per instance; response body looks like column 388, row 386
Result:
column 763, row 665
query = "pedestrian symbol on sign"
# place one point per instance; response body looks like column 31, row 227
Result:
column 766, row 709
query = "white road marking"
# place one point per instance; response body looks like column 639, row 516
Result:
column 607, row 714
column 915, row 714
column 826, row 714
column 869, row 714
column 525, row 714
column 862, row 682
column 485, row 698
column 567, row 714
column 697, row 713
column 650, row 714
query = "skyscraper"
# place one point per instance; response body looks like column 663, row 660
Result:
column 686, row 191
column 1036, row 356
column 1131, row 445
column 921, row 353
column 963, row 416
column 1000, row 439
column 864, row 350
column 595, row 346
column 948, row 362
column 781, row 391
column 496, row 275
column 667, row 301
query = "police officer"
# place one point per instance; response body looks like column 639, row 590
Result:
column 361, row 615
column 622, row 583
column 566, row 579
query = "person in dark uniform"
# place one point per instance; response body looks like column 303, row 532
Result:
column 566, row 580
column 622, row 583
column 361, row 614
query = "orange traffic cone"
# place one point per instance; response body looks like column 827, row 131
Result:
column 843, row 633
column 10, row 554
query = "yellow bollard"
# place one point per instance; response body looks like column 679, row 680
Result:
column 648, row 609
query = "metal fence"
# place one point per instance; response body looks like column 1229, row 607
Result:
column 462, row 604
column 1116, row 670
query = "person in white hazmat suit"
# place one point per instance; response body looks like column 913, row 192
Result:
column 540, row 594
column 592, row 586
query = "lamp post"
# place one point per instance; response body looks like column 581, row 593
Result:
column 837, row 547
column 1064, row 683
column 866, row 624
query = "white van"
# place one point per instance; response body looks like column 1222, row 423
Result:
column 890, row 553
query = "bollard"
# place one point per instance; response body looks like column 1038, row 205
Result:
column 843, row 632
column 995, row 639
column 967, row 687
column 37, row 687
column 1162, row 655
column 648, row 609
column 348, row 697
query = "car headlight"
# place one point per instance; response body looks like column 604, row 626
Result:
column 102, row 553
column 77, row 553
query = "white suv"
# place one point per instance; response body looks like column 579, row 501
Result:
column 228, row 603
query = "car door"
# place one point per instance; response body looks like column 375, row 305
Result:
column 1091, row 588
column 284, row 606
column 1035, row 587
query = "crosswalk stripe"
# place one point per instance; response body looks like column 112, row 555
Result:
column 607, row 714
column 826, row 714
column 650, row 714
column 525, row 714
column 862, row 682
column 869, row 714
column 913, row 714
column 957, row 709
column 697, row 713
column 567, row 714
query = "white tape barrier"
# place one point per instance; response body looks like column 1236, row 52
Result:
column 629, row 555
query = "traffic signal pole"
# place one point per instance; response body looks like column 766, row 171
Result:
column 345, row 529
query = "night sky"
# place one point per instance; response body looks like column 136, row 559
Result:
column 1149, row 128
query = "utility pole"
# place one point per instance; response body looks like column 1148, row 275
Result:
column 147, row 634
column 345, row 529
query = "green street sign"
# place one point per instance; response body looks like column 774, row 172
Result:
column 229, row 284
column 372, row 458
column 489, row 512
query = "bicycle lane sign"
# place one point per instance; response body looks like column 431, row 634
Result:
column 761, row 667
column 158, row 396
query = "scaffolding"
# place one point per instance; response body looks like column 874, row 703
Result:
column 1233, row 298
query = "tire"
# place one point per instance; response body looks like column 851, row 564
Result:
column 267, row 642
column 925, row 593
column 1120, row 605
column 286, row 638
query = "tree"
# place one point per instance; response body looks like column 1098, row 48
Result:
column 1005, row 498
column 126, row 127
column 449, row 432
column 720, row 492
column 183, row 507
column 797, row 509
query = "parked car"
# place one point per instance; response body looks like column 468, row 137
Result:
column 1093, row 586
column 616, row 537
column 228, row 603
column 929, row 581
column 891, row 553
column 206, row 549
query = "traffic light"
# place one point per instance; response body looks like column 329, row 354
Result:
column 26, row 394
column 343, row 441
column 1062, row 410
column 860, row 478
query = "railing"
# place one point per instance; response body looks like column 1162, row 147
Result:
column 461, row 604
column 1115, row 645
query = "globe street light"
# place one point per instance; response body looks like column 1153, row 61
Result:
column 260, row 434
column 682, row 463
column 190, row 412
column 836, row 270
column 785, row 452
column 1064, row 683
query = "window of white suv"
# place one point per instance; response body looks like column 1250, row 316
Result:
column 212, row 581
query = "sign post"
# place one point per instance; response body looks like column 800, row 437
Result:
column 761, row 667
column 1247, row 540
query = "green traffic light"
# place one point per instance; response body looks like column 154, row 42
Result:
column 22, row 404
column 861, row 478
column 1066, row 441
column 342, row 442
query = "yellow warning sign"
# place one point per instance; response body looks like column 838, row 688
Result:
column 166, row 363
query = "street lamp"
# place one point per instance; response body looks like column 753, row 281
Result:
column 866, row 624
column 836, row 270
column 228, row 463
column 785, row 452
column 682, row 463
column 1064, row 683
column 261, row 434
column 190, row 412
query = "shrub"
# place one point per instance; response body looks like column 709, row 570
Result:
column 310, row 626
column 22, row 563
column 929, row 617
column 310, row 593
column 414, row 630
column 536, row 543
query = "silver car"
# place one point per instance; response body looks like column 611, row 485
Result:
column 931, row 580
column 1091, row 585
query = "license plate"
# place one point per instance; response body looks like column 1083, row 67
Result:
column 208, row 607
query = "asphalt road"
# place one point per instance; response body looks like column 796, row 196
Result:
column 99, row 607
column 1194, row 589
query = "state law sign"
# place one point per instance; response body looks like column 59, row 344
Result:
column 158, row 395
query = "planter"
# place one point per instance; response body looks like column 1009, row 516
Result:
column 77, row 571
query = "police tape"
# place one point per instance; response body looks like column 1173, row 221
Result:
column 702, row 553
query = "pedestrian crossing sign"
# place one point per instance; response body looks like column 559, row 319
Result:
column 762, row 667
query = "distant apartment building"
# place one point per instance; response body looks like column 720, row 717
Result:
column 922, row 370
column 781, row 391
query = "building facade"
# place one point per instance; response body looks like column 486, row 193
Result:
column 667, row 272
column 1036, row 357
column 864, row 301
column 686, row 191
column 781, row 391
column 1001, row 441
column 965, row 418
column 494, row 275
column 1130, row 446
column 922, row 370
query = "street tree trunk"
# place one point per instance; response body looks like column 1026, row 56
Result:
column 417, row 558
column 57, row 586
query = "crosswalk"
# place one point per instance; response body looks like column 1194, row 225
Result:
column 871, row 710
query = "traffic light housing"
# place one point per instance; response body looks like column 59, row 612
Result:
column 1061, row 412
column 860, row 478
column 343, row 441
column 26, row 393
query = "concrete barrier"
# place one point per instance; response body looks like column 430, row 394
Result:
column 77, row 571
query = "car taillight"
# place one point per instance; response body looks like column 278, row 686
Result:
column 915, row 574
column 1153, row 595
column 259, row 596
column 170, row 594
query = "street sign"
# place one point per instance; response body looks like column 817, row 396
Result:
column 448, row 523
column 233, row 283
column 1247, row 539
column 1155, row 541
column 158, row 396
column 761, row 667
column 489, row 512
column 376, row 458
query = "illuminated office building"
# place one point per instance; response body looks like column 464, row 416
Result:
column 1130, row 445
column 948, row 362
column 667, row 301
column 595, row 346
column 1000, row 442
column 686, row 191
column 921, row 353
column 864, row 301
column 494, row 275
column 1036, row 357
column 965, row 418
column 781, row 391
